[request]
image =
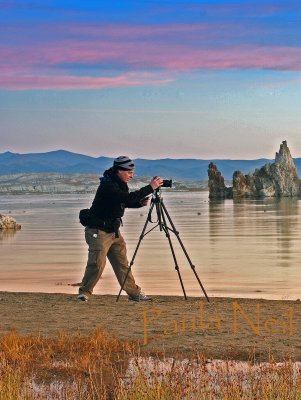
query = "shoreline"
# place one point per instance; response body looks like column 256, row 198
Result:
column 225, row 328
column 79, row 184
column 87, row 192
column 71, row 289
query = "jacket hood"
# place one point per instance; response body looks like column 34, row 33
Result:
column 110, row 176
column 109, row 173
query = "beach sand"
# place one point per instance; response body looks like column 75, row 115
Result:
column 225, row 328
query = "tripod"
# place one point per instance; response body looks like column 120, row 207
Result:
column 162, row 214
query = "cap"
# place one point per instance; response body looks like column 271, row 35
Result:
column 124, row 163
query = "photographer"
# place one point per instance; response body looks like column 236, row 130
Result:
column 102, row 233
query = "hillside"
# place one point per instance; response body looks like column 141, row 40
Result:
column 65, row 162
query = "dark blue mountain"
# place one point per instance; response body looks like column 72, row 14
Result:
column 53, row 161
column 67, row 162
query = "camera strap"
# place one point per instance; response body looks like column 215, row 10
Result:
column 116, row 225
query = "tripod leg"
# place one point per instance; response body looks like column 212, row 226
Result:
column 136, row 250
column 183, row 248
column 159, row 216
column 173, row 254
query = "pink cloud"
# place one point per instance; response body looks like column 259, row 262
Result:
column 139, row 56
column 75, row 82
column 39, row 64
column 239, row 57
column 25, row 73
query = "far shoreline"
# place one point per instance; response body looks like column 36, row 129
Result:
column 84, row 193
column 76, row 183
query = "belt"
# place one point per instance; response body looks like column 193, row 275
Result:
column 109, row 226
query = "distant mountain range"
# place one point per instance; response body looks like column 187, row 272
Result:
column 62, row 161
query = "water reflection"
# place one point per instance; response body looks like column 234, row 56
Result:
column 271, row 222
column 217, row 209
column 270, row 226
column 240, row 248
column 7, row 234
column 286, row 211
column 257, row 242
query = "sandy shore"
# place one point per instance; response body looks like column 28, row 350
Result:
column 224, row 328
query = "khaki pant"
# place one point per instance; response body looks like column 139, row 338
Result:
column 102, row 245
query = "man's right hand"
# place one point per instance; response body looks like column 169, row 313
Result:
column 156, row 182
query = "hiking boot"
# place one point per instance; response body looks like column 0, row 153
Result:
column 82, row 297
column 140, row 297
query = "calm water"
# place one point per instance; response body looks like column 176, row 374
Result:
column 248, row 248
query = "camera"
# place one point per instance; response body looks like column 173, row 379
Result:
column 167, row 183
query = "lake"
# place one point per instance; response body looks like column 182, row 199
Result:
column 246, row 248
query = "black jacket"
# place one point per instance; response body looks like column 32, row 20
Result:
column 112, row 197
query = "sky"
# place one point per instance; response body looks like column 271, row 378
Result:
column 151, row 79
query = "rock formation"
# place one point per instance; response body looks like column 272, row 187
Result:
column 279, row 179
column 7, row 222
column 217, row 187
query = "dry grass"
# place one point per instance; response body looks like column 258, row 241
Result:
column 102, row 367
column 198, row 379
column 67, row 367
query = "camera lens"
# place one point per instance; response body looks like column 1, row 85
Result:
column 167, row 183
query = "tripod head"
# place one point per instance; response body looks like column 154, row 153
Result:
column 157, row 193
column 156, row 201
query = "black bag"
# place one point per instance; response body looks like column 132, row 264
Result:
column 84, row 216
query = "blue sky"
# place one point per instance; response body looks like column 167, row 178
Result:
column 151, row 79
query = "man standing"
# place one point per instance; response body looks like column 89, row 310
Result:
column 102, row 233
